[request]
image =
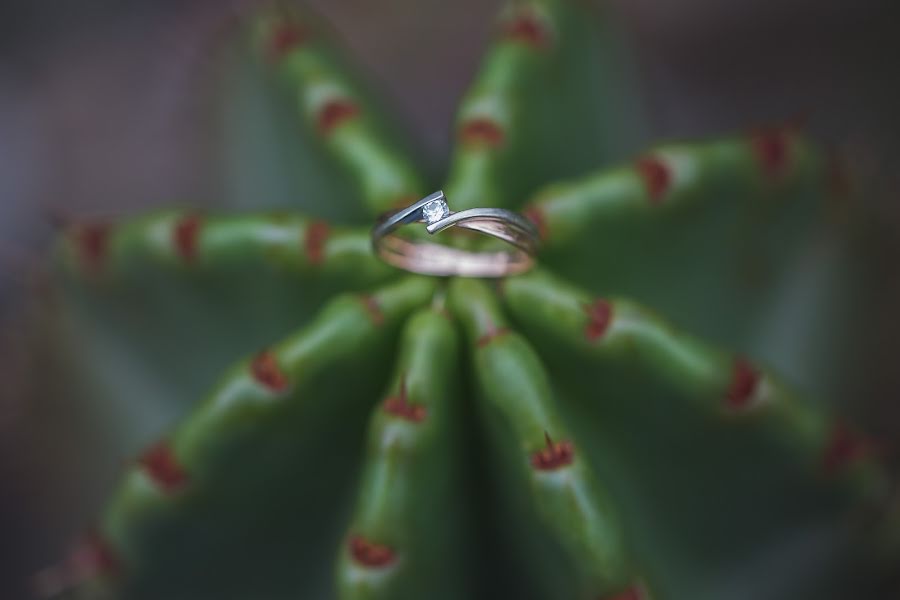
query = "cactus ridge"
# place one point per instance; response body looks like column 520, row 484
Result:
column 581, row 394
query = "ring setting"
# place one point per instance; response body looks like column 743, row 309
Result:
column 519, row 234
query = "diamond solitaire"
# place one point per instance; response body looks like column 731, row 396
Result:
column 435, row 210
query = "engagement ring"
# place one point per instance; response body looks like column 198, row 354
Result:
column 437, row 259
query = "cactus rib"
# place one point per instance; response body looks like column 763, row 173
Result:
column 335, row 110
column 545, row 461
column 179, row 240
column 512, row 111
column 748, row 417
column 721, row 385
column 768, row 166
column 409, row 495
column 153, row 511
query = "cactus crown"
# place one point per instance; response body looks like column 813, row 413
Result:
column 548, row 436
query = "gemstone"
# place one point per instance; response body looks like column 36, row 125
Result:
column 434, row 211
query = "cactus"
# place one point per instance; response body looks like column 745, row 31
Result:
column 544, row 436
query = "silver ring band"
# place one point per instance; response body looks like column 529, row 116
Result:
column 436, row 259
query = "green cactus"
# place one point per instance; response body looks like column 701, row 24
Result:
column 536, row 437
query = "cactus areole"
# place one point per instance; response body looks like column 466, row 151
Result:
column 554, row 434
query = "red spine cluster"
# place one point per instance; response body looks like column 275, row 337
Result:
column 744, row 381
column 161, row 466
column 92, row 244
column 268, row 373
column 526, row 29
column 599, row 317
column 314, row 242
column 554, row 456
column 657, row 177
column 334, row 113
column 285, row 37
column 481, row 132
column 771, row 148
column 185, row 236
column 400, row 406
column 370, row 554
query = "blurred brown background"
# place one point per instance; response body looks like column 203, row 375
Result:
column 100, row 103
